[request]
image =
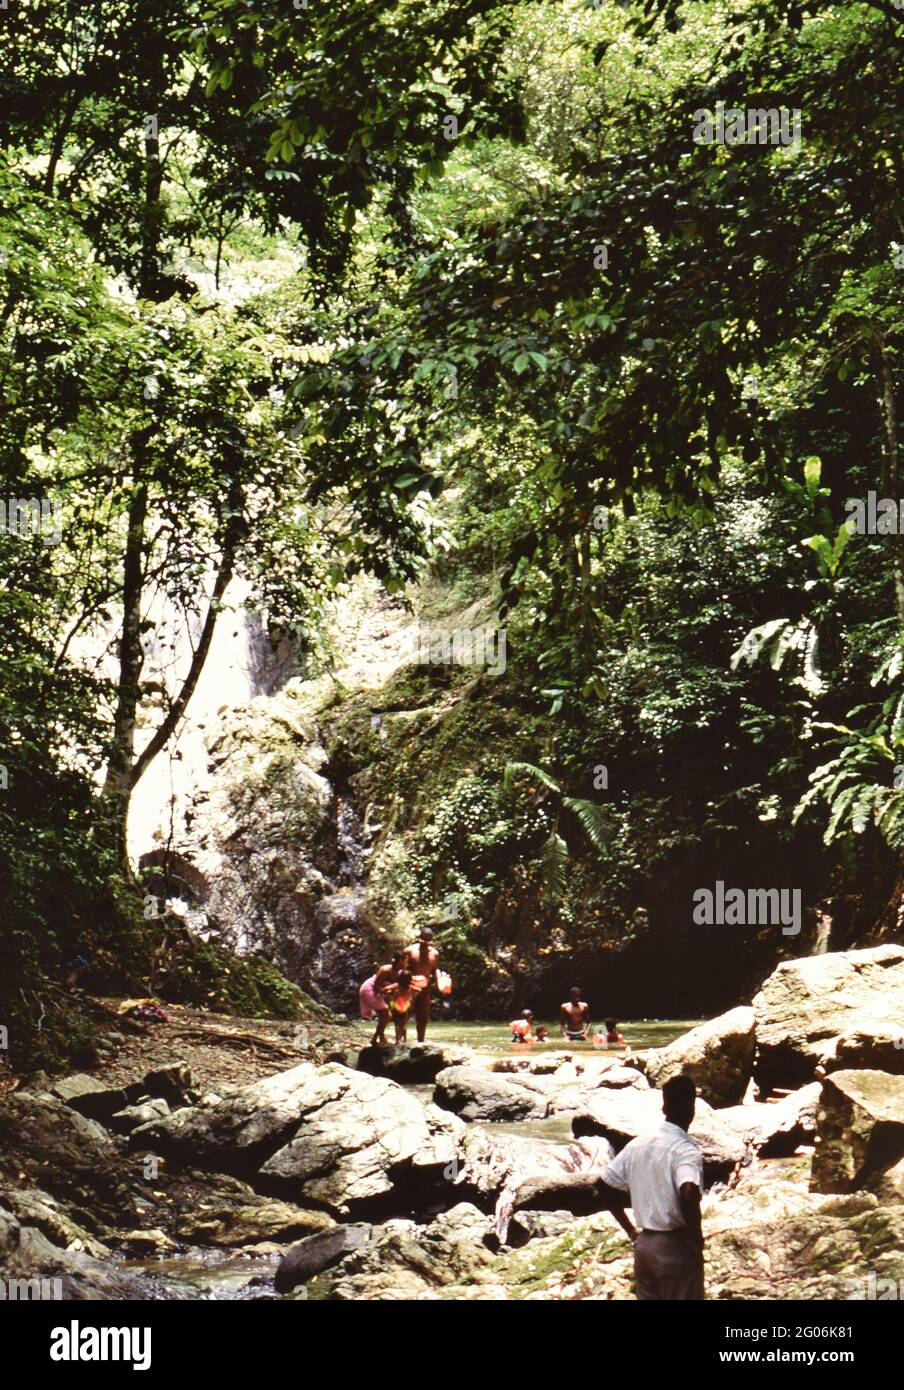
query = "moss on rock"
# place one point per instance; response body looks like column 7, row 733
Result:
column 198, row 973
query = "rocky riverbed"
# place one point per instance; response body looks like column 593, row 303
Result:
column 217, row 1157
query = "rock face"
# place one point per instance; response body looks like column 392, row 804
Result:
column 860, row 1131
column 806, row 1006
column 717, row 1056
column 327, row 1135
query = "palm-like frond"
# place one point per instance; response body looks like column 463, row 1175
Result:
column 554, row 865
column 514, row 770
column 593, row 818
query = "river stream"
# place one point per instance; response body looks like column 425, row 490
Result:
column 227, row 1274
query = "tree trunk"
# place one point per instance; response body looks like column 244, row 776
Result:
column 117, row 784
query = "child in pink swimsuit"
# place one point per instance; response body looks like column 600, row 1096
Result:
column 372, row 997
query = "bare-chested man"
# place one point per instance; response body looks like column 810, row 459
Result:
column 421, row 960
column 574, row 1017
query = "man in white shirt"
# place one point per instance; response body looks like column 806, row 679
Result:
column 660, row 1176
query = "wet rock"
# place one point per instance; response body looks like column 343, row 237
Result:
column 860, row 1129
column 806, row 1005
column 474, row 1094
column 343, row 955
column 411, row 1064
column 318, row 1252
column 31, row 1207
column 148, row 1240
column 717, row 1056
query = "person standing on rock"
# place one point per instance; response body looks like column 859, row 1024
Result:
column 421, row 960
column 373, row 998
column 400, row 1004
column 660, row 1176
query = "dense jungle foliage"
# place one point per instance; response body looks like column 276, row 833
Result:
column 449, row 294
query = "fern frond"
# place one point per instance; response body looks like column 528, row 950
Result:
column 554, row 864
column 593, row 818
column 514, row 770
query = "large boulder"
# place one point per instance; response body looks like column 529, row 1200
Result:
column 578, row 1193
column 717, row 1056
column 327, row 1135
column 238, row 1133
column 777, row 1241
column 408, row 1262
column 233, row 1214
column 475, row 1094
column 777, row 1130
column 621, row 1116
column 411, row 1064
column 28, row 1258
column 493, row 1166
column 359, row 1154
column 46, row 1144
column 860, row 1132
column 872, row 1044
column 807, row 1005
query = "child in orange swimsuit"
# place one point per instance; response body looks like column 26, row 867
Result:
column 521, row 1028
column 400, row 1004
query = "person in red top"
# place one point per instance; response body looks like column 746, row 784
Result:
column 521, row 1028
